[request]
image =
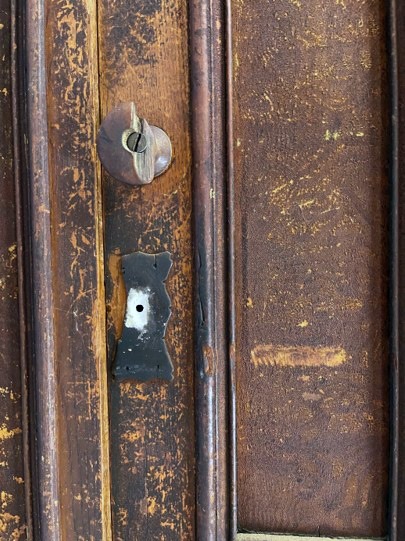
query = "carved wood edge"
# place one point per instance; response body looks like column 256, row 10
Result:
column 396, row 516
column 208, row 45
column 36, row 277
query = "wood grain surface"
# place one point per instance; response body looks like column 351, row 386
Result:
column 310, row 124
column 144, row 58
column 74, row 396
column 210, row 159
column 12, row 477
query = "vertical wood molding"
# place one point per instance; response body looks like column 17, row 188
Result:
column 231, row 272
column 209, row 143
column 397, row 266
column 46, row 474
column 64, row 260
column 394, row 278
column 19, row 113
column 14, row 453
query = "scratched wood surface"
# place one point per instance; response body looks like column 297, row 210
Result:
column 311, row 181
column 12, row 499
column 143, row 51
column 77, row 271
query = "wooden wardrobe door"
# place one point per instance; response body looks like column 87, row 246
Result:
column 282, row 213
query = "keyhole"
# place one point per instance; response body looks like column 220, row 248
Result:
column 136, row 142
column 139, row 308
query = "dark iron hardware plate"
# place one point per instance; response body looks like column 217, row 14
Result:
column 141, row 351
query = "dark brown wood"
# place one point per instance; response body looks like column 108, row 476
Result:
column 68, row 380
column 13, row 481
column 311, row 156
column 299, row 94
column 397, row 312
column 144, row 59
column 208, row 90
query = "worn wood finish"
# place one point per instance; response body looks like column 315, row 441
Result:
column 311, row 158
column 397, row 311
column 208, row 89
column 311, row 346
column 13, row 516
column 68, row 383
column 144, row 58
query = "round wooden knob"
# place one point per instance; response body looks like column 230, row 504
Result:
column 131, row 150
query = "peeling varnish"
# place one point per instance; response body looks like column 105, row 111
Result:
column 273, row 355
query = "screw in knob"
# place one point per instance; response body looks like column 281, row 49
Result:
column 136, row 142
column 130, row 149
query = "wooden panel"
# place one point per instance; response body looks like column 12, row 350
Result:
column 143, row 48
column 68, row 384
column 311, row 181
column 12, row 497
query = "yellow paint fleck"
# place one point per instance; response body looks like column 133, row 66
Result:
column 360, row 134
column 6, row 434
column 4, row 91
column 331, row 135
column 5, row 499
column 152, row 506
column 279, row 188
column 18, row 480
column 274, row 355
column 132, row 436
column 353, row 304
column 308, row 203
column 303, row 324
column 249, row 303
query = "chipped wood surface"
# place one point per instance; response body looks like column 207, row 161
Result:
column 143, row 51
column 12, row 475
column 310, row 148
column 311, row 180
column 70, row 418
